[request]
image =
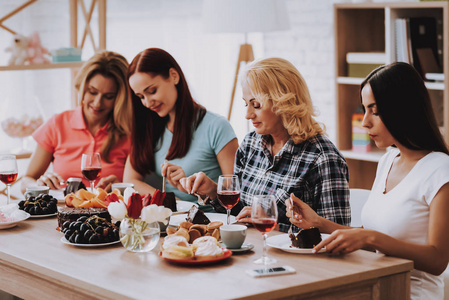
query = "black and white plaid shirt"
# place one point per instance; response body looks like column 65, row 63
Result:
column 313, row 170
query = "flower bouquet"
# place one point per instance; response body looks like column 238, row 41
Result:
column 139, row 229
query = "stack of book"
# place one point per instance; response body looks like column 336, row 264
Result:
column 360, row 64
column 360, row 138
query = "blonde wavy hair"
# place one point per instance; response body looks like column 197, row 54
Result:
column 110, row 65
column 276, row 80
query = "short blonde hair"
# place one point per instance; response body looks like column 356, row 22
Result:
column 110, row 65
column 276, row 80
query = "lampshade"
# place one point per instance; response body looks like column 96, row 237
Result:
column 244, row 16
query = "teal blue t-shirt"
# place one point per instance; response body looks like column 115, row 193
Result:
column 213, row 133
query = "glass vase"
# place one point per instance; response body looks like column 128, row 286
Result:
column 137, row 235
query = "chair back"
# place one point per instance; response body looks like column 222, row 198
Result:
column 357, row 200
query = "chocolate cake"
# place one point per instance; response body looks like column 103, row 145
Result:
column 170, row 201
column 197, row 216
column 306, row 238
column 73, row 213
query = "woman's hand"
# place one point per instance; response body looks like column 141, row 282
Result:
column 343, row 241
column 199, row 183
column 173, row 173
column 51, row 179
column 245, row 215
column 106, row 182
column 301, row 214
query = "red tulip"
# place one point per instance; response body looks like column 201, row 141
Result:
column 134, row 206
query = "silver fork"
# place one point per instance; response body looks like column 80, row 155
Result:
column 201, row 201
column 290, row 230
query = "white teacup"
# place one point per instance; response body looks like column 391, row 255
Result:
column 121, row 186
column 233, row 235
column 34, row 191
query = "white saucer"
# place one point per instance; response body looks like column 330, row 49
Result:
column 245, row 247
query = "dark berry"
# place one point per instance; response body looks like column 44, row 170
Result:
column 82, row 219
column 94, row 239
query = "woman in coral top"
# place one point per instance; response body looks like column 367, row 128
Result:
column 101, row 123
column 406, row 213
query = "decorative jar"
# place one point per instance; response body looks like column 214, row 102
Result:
column 136, row 235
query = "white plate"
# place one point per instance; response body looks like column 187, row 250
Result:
column 184, row 206
column 175, row 220
column 245, row 247
column 65, row 241
column 5, row 225
column 43, row 216
column 283, row 242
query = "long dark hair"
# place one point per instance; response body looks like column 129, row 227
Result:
column 404, row 106
column 148, row 127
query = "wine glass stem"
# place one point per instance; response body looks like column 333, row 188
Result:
column 228, row 212
column 92, row 186
column 8, row 200
column 264, row 255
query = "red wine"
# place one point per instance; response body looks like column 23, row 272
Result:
column 91, row 173
column 229, row 199
column 264, row 225
column 8, row 178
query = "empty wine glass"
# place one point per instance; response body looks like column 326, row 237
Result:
column 91, row 167
column 8, row 172
column 228, row 192
column 264, row 214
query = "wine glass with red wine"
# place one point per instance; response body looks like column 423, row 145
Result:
column 228, row 192
column 91, row 168
column 264, row 214
column 8, row 172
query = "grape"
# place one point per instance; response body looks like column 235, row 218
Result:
column 79, row 239
column 94, row 239
column 82, row 219
column 84, row 227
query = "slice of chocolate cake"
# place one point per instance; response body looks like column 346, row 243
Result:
column 170, row 201
column 306, row 238
column 197, row 216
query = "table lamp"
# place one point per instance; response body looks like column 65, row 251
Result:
column 244, row 16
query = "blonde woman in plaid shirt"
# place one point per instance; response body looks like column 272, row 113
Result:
column 287, row 152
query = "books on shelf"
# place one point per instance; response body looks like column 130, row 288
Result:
column 417, row 43
column 366, row 57
column 435, row 76
column 360, row 64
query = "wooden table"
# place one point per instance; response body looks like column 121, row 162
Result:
column 34, row 263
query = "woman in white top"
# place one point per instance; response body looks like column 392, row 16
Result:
column 406, row 214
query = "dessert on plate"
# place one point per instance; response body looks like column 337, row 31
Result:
column 306, row 238
column 202, row 249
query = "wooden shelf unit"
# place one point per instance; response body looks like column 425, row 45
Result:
column 369, row 27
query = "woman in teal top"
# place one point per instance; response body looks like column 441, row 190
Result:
column 169, row 125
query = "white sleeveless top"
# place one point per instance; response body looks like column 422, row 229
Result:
column 403, row 212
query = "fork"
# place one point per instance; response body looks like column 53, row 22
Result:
column 201, row 201
column 290, row 230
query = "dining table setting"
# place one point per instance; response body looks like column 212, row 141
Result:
column 34, row 263
column 120, row 250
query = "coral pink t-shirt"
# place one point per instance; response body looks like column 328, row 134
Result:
column 67, row 137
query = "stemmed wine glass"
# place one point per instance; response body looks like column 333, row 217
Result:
column 228, row 192
column 8, row 172
column 264, row 214
column 91, row 167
